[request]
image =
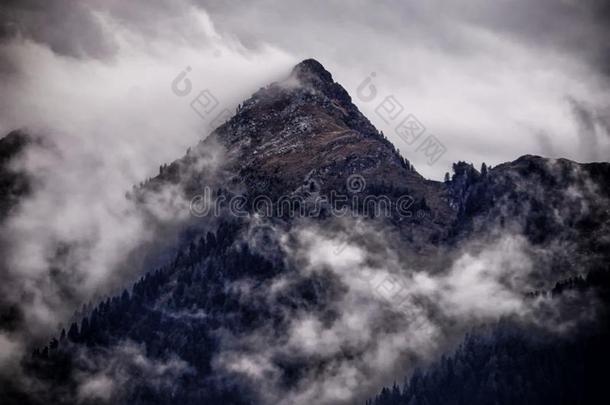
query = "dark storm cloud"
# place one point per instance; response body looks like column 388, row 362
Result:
column 75, row 28
column 67, row 27
column 80, row 28
column 578, row 27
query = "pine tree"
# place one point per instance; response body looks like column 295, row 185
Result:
column 73, row 332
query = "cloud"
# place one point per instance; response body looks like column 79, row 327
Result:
column 379, row 314
column 105, row 375
column 107, row 124
column 68, row 28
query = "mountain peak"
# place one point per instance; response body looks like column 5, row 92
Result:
column 309, row 87
column 290, row 134
column 311, row 70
